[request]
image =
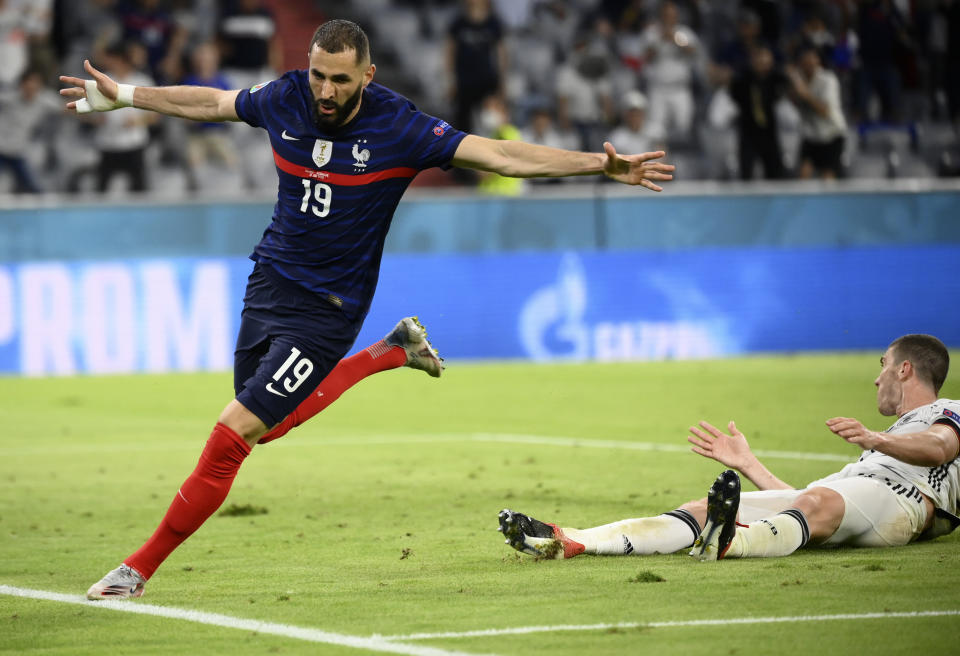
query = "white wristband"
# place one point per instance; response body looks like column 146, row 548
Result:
column 125, row 95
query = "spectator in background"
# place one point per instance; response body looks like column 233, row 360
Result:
column 251, row 54
column 629, row 21
column 148, row 23
column 814, row 34
column 249, row 44
column 816, row 92
column 882, row 34
column 24, row 110
column 476, row 60
column 670, row 52
column 207, row 142
column 633, row 134
column 769, row 13
column 718, row 140
column 122, row 135
column 734, row 55
column 755, row 93
column 39, row 24
column 585, row 91
column 14, row 53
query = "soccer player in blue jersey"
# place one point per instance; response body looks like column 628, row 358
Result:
column 345, row 148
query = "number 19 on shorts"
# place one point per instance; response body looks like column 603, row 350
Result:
column 299, row 373
column 320, row 193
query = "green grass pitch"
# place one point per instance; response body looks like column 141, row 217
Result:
column 381, row 514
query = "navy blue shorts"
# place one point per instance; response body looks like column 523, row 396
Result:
column 289, row 340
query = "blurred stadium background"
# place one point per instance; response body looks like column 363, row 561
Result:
column 123, row 237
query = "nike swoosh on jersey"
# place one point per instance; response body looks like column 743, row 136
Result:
column 288, row 137
column 273, row 391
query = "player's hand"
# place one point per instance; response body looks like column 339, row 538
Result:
column 854, row 432
column 636, row 169
column 730, row 449
column 103, row 83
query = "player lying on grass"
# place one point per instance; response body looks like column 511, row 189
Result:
column 904, row 487
column 345, row 149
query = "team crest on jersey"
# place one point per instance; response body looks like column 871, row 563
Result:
column 322, row 150
column 257, row 87
column 360, row 156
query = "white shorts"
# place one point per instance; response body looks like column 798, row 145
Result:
column 873, row 516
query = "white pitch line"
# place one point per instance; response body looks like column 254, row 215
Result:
column 373, row 643
column 548, row 440
column 662, row 625
column 429, row 438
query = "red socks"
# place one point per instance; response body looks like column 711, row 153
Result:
column 206, row 488
column 198, row 498
column 348, row 372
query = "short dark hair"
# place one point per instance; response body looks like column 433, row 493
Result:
column 338, row 35
column 927, row 354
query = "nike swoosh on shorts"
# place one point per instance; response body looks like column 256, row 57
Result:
column 273, row 391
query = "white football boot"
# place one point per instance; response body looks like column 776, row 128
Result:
column 410, row 334
column 121, row 583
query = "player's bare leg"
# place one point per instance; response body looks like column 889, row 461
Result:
column 822, row 509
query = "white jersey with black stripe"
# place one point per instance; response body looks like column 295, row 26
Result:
column 941, row 484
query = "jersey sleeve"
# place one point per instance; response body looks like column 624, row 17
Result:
column 949, row 414
column 253, row 104
column 432, row 141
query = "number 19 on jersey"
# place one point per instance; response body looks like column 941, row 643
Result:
column 320, row 193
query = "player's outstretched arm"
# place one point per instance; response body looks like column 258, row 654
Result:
column 933, row 447
column 102, row 94
column 733, row 451
column 517, row 159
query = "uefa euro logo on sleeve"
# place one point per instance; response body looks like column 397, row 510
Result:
column 441, row 128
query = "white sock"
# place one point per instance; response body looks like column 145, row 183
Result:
column 662, row 534
column 779, row 535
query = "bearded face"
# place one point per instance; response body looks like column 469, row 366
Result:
column 329, row 114
column 337, row 81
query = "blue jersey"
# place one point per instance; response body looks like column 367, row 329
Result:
column 338, row 190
